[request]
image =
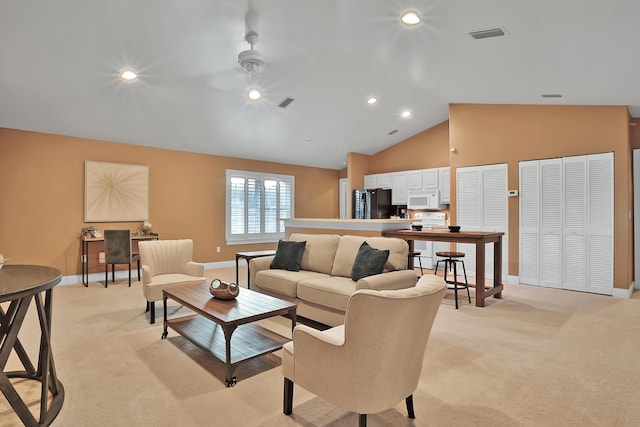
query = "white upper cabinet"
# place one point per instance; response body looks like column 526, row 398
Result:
column 378, row 180
column 430, row 179
column 399, row 191
column 444, row 184
column 414, row 180
column 370, row 182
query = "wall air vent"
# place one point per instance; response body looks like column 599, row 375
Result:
column 392, row 132
column 551, row 95
column 285, row 102
column 485, row 34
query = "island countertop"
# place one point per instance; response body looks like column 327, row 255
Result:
column 364, row 225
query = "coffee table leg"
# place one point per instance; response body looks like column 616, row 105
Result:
column 229, row 368
column 165, row 324
column 292, row 314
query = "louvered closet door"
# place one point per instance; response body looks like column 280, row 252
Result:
column 469, row 210
column 600, row 223
column 495, row 215
column 574, row 246
column 529, row 222
column 551, row 223
column 482, row 205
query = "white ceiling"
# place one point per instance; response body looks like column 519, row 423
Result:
column 59, row 65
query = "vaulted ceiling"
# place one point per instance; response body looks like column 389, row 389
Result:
column 60, row 63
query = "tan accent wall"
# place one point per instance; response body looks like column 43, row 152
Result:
column 428, row 149
column 490, row 134
column 42, row 196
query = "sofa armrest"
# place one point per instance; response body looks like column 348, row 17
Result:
column 257, row 264
column 194, row 269
column 391, row 280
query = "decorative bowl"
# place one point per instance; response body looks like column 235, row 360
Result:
column 223, row 290
column 416, row 227
column 454, row 228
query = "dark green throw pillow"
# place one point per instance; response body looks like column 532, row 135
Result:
column 288, row 255
column 369, row 261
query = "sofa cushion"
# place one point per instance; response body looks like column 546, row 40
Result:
column 319, row 251
column 331, row 291
column 283, row 281
column 369, row 261
column 349, row 246
column 288, row 255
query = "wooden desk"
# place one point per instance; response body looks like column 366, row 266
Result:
column 248, row 256
column 84, row 260
column 19, row 284
column 479, row 238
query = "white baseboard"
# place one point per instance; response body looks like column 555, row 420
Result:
column 623, row 293
column 123, row 274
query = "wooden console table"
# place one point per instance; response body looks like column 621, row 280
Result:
column 84, row 260
column 19, row 284
column 479, row 238
column 248, row 256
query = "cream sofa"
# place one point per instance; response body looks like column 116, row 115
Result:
column 323, row 285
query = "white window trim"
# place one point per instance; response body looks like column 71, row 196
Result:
column 253, row 238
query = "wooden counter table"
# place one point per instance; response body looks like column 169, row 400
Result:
column 479, row 238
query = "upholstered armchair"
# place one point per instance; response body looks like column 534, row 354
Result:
column 374, row 360
column 167, row 264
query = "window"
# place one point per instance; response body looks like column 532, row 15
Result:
column 256, row 205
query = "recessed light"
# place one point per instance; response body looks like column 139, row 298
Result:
column 411, row 18
column 372, row 100
column 308, row 139
column 128, row 75
column 406, row 114
column 254, row 95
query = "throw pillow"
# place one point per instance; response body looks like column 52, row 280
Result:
column 369, row 261
column 288, row 255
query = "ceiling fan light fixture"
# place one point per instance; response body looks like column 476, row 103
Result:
column 411, row 18
column 254, row 94
column 128, row 75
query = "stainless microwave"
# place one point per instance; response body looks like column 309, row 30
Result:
column 423, row 199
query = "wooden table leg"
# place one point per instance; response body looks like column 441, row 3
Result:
column 480, row 274
column 497, row 267
column 237, row 275
column 229, row 368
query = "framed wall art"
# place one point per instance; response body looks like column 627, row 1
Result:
column 116, row 192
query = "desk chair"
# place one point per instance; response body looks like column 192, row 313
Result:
column 117, row 250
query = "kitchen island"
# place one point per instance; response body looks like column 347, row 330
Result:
column 358, row 227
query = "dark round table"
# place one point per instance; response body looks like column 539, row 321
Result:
column 20, row 285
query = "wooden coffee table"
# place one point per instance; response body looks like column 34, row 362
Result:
column 233, row 337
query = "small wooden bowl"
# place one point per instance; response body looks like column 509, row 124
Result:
column 223, row 290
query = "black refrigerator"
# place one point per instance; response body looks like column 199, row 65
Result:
column 372, row 204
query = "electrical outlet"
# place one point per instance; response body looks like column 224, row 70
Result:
column 218, row 249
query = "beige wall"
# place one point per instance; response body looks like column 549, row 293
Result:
column 489, row 134
column 42, row 196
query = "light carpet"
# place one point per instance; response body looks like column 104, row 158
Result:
column 537, row 357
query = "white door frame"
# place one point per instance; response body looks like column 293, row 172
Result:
column 636, row 217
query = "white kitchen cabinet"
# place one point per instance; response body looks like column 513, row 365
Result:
column 399, row 191
column 444, row 184
column 370, row 182
column 430, row 179
column 414, row 180
column 384, row 180
column 377, row 180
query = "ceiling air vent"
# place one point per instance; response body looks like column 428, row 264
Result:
column 485, row 34
column 285, row 102
column 392, row 132
column 551, row 95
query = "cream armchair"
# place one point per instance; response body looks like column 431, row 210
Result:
column 167, row 264
column 374, row 360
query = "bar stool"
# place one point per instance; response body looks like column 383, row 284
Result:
column 451, row 259
column 416, row 254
